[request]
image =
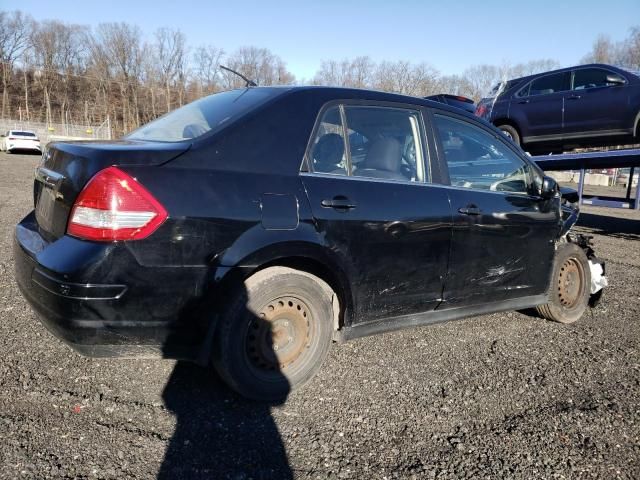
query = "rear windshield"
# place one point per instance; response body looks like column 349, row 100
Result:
column 202, row 116
column 22, row 134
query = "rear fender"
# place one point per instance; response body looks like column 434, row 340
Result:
column 237, row 263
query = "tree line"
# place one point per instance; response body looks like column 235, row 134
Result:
column 57, row 72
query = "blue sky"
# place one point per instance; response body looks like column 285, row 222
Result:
column 449, row 35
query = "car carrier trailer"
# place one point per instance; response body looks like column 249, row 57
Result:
column 627, row 158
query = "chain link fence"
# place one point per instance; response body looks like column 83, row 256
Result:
column 59, row 131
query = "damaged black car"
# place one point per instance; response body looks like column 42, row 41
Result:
column 253, row 228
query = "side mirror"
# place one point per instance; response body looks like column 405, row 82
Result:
column 615, row 79
column 549, row 188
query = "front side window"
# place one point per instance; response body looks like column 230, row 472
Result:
column 591, row 78
column 385, row 143
column 548, row 84
column 476, row 159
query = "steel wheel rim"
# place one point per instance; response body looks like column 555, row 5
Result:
column 278, row 337
column 570, row 283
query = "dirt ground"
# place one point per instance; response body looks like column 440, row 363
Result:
column 497, row 396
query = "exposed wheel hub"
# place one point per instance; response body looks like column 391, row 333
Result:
column 280, row 335
column 570, row 282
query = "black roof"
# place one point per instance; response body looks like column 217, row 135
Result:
column 346, row 93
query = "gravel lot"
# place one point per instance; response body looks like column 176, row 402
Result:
column 497, row 396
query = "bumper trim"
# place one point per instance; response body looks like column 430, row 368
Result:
column 79, row 291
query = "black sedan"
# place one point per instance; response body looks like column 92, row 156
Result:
column 252, row 228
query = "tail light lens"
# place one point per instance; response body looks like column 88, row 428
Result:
column 481, row 110
column 114, row 206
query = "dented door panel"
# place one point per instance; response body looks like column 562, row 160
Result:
column 503, row 251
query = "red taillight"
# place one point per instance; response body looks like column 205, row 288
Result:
column 114, row 206
column 481, row 110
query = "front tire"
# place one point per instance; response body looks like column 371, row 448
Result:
column 275, row 334
column 570, row 285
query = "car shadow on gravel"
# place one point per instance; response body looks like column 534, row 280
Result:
column 623, row 228
column 219, row 434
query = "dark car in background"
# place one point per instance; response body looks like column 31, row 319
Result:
column 455, row 101
column 584, row 106
column 252, row 228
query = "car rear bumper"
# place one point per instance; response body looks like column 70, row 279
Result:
column 24, row 145
column 99, row 300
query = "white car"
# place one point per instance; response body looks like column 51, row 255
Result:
column 24, row 140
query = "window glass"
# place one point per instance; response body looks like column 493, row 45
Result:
column 385, row 143
column 327, row 154
column 477, row 159
column 590, row 78
column 548, row 84
column 524, row 92
column 199, row 117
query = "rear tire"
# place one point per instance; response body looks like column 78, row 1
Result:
column 510, row 132
column 275, row 334
column 570, row 286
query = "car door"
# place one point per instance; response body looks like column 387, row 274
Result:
column 596, row 106
column 538, row 107
column 376, row 210
column 503, row 233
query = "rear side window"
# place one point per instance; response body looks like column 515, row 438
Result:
column 476, row 159
column 327, row 154
column 547, row 85
column 385, row 143
column 207, row 114
column 590, row 78
column 373, row 142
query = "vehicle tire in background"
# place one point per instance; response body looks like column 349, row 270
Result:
column 570, row 285
column 510, row 132
column 275, row 334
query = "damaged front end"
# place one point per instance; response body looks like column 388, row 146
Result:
column 570, row 209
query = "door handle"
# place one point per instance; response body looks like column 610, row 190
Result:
column 339, row 203
column 470, row 210
column 523, row 101
column 574, row 97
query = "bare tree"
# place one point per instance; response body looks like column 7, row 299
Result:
column 170, row 54
column 15, row 36
column 118, row 48
column 630, row 50
column 602, row 51
column 58, row 52
column 481, row 78
column 356, row 73
column 259, row 65
column 207, row 68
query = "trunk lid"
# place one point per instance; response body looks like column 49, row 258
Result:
column 67, row 167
